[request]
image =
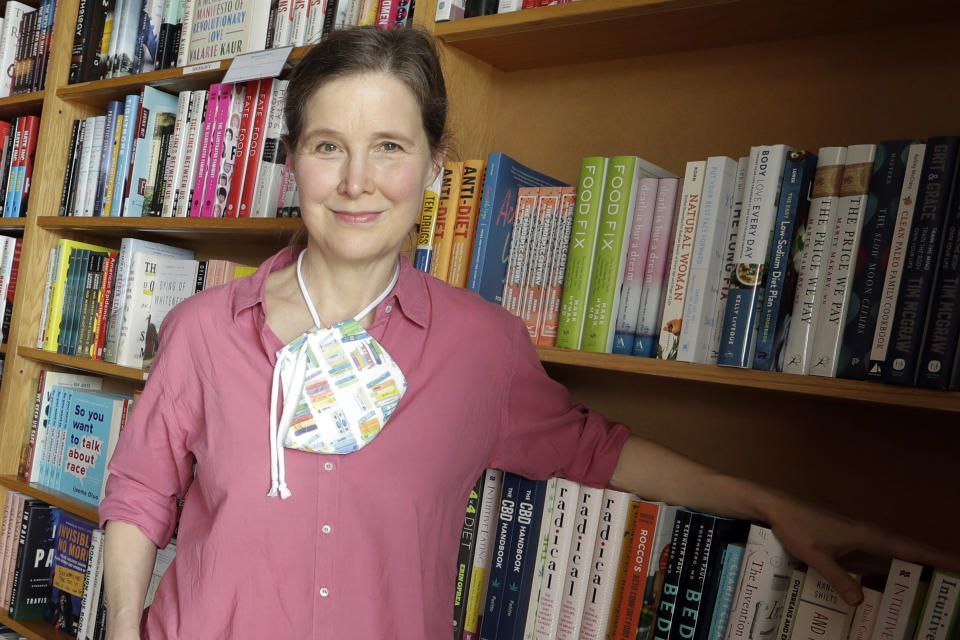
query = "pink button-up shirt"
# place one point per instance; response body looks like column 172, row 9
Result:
column 366, row 546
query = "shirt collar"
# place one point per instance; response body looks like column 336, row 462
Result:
column 410, row 292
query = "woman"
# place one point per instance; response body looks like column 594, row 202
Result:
column 363, row 545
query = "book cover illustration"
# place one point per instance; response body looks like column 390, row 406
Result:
column 70, row 555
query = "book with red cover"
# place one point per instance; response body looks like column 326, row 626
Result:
column 264, row 97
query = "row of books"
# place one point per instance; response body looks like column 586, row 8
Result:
column 25, row 46
column 457, row 9
column 51, row 568
column 553, row 560
column 108, row 304
column 18, row 141
column 121, row 37
column 205, row 153
column 9, row 270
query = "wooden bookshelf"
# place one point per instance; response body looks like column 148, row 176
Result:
column 786, row 384
column 50, row 496
column 596, row 30
column 33, row 629
column 275, row 230
column 82, row 364
column 193, row 77
column 12, row 224
column 22, row 104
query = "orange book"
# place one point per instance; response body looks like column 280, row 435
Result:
column 553, row 289
column 443, row 233
column 523, row 222
column 627, row 615
column 465, row 221
column 538, row 259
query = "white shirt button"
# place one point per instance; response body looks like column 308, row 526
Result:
column 388, row 308
column 328, row 466
column 326, row 528
column 324, row 592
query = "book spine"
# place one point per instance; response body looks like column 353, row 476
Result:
column 255, row 147
column 175, row 157
column 871, row 262
column 678, row 273
column 533, row 586
column 183, row 195
column 820, row 610
column 659, row 256
column 938, row 619
column 701, row 299
column 610, row 255
column 811, row 275
column 790, row 607
column 843, row 249
column 523, row 550
column 553, row 294
column 540, row 250
column 465, row 222
column 693, row 578
column 584, row 538
column 865, row 617
column 922, row 260
column 114, row 111
column 558, row 550
column 203, row 156
column 524, row 221
column 764, row 577
column 583, row 239
column 106, row 298
column 729, row 577
column 764, row 173
column 895, row 260
column 273, row 158
column 499, row 566
column 624, row 625
column 215, row 158
column 635, row 268
column 71, row 167
column 131, row 114
column 483, row 552
column 186, row 29
column 427, row 225
column 603, row 567
column 468, row 536
column 442, row 239
column 679, row 548
column 243, row 139
column 111, row 178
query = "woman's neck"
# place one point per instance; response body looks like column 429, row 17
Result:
column 340, row 291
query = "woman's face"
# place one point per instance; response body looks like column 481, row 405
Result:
column 361, row 167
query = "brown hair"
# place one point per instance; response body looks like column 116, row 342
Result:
column 409, row 54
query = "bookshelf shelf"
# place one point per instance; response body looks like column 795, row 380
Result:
column 56, row 498
column 274, row 229
column 33, row 629
column 98, row 93
column 82, row 364
column 948, row 401
column 25, row 103
column 12, row 224
column 598, row 30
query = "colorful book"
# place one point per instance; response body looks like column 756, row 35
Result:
column 635, row 267
column 465, row 222
column 155, row 107
column 483, row 552
column 468, row 537
column 71, row 549
column 681, row 549
column 499, row 566
column 446, row 217
column 426, row 227
column 241, row 29
column 727, row 588
column 557, row 269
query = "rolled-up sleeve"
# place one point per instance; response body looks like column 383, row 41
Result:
column 152, row 465
column 543, row 434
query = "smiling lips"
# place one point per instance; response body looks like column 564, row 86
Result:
column 356, row 217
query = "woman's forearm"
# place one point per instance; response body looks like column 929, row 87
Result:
column 129, row 556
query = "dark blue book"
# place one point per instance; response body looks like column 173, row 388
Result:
column 31, row 578
column 491, row 246
column 940, row 352
column 773, row 324
column 685, row 524
column 935, row 193
column 523, row 556
column 727, row 533
column 70, row 557
column 693, row 578
column 499, row 564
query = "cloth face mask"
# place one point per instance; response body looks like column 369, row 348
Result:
column 339, row 389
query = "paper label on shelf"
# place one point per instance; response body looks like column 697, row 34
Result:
column 257, row 64
column 197, row 68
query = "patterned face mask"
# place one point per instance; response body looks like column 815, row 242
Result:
column 339, row 389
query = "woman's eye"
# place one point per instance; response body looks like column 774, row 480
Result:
column 390, row 146
column 326, row 147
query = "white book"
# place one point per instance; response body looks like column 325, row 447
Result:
column 903, row 581
column 897, row 257
column 191, row 153
column 129, row 246
column 523, row 228
column 94, row 565
column 267, row 188
column 115, row 21
column 138, row 298
column 506, row 6
column 865, row 617
column 47, row 292
column 558, row 551
column 486, row 529
column 543, row 542
column 315, row 11
column 548, row 217
column 605, row 564
column 763, row 582
column 164, row 559
column 93, row 175
column 938, row 619
column 636, row 265
column 729, row 252
column 658, row 261
column 186, row 27
column 851, row 207
column 821, row 612
column 587, row 517
column 797, row 578
column 86, row 161
column 824, row 197
column 450, row 10
column 9, row 41
column 176, row 153
column 700, row 302
column 176, row 280
column 282, row 23
column 7, row 247
column 678, row 273
column 298, row 23
column 97, row 593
